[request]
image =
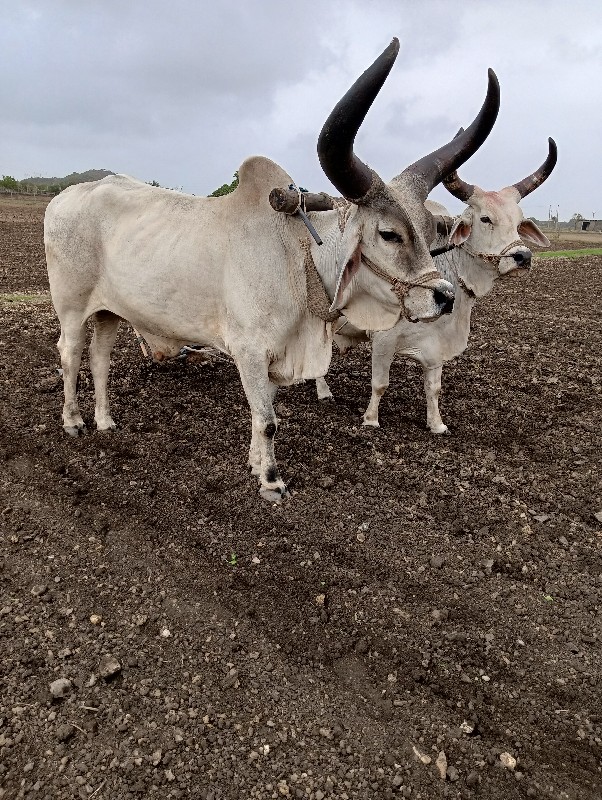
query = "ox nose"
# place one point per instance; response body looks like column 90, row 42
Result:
column 445, row 300
column 522, row 258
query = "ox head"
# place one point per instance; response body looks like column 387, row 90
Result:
column 385, row 242
column 491, row 221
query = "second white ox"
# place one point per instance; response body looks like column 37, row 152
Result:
column 485, row 249
column 230, row 272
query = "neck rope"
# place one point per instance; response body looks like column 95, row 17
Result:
column 491, row 261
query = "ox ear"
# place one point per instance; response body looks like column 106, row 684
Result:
column 461, row 230
column 350, row 260
column 528, row 230
column 350, row 268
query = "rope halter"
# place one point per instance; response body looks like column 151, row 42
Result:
column 401, row 288
column 491, row 258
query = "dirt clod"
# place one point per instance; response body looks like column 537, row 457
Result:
column 65, row 732
column 108, row 667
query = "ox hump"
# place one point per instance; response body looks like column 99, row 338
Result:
column 257, row 176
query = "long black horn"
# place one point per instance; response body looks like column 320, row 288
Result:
column 434, row 167
column 527, row 185
column 454, row 183
column 351, row 176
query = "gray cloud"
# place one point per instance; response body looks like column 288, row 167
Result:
column 183, row 91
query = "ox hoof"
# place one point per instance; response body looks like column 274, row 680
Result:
column 326, row 399
column 440, row 430
column 75, row 430
column 274, row 495
column 371, row 423
column 106, row 427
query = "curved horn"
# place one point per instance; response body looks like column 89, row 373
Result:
column 351, row 176
column 454, row 183
column 434, row 167
column 527, row 185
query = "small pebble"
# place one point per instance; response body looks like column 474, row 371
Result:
column 441, row 764
column 507, row 760
column 109, row 666
column 60, row 687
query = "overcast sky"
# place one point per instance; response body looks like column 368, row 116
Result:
column 182, row 91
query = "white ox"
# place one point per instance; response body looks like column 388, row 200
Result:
column 485, row 249
column 230, row 272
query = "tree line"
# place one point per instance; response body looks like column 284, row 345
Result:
column 10, row 184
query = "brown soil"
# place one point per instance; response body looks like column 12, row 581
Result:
column 415, row 596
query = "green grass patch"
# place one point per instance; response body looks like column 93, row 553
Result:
column 24, row 298
column 585, row 251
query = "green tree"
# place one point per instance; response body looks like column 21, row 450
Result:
column 10, row 183
column 226, row 188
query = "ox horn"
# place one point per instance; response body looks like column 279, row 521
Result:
column 454, row 183
column 530, row 183
column 435, row 166
column 342, row 167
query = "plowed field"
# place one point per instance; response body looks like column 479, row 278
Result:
column 416, row 596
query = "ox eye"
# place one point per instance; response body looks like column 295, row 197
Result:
column 390, row 236
column 486, row 219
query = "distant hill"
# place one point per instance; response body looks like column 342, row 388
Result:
column 69, row 180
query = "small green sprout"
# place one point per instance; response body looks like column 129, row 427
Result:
column 233, row 559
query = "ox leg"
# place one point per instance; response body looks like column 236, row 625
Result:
column 260, row 393
column 70, row 345
column 432, row 389
column 383, row 352
column 256, row 445
column 105, row 331
column 323, row 390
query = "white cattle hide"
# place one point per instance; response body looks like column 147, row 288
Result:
column 488, row 226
